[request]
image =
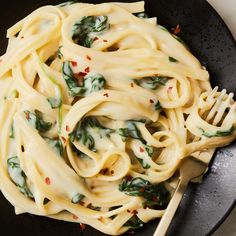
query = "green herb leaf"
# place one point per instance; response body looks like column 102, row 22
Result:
column 218, row 133
column 153, row 194
column 12, row 133
column 172, row 59
column 56, row 144
column 144, row 164
column 83, row 31
column 90, row 84
column 134, row 223
column 152, row 82
column 18, row 176
column 59, row 53
column 77, row 198
column 35, row 120
column 54, row 102
column 158, row 106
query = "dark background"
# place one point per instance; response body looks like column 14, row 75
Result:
column 204, row 206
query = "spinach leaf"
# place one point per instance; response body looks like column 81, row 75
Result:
column 82, row 134
column 155, row 195
column 158, row 106
column 144, row 164
column 83, row 31
column 152, row 82
column 77, row 198
column 134, row 223
column 59, row 53
column 131, row 131
column 18, row 176
column 172, row 59
column 35, row 120
column 218, row 133
column 54, row 102
column 12, row 133
column 90, row 84
column 56, row 145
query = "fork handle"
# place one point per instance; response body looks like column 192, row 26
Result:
column 171, row 209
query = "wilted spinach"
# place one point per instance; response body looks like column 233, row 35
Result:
column 84, row 30
column 90, row 83
column 155, row 195
column 18, row 176
column 218, row 133
column 152, row 82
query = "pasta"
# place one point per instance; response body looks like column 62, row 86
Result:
column 99, row 104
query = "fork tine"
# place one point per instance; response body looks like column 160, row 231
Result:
column 212, row 94
column 216, row 106
column 222, row 108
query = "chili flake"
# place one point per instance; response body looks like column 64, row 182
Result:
column 128, row 210
column 142, row 190
column 74, row 63
column 105, row 41
column 67, row 128
column 134, row 212
column 106, row 95
column 82, row 226
column 81, row 74
column 63, row 139
column 176, row 30
column 169, row 89
column 141, row 149
column 96, row 38
column 75, row 217
column 87, row 69
column 27, row 115
column 88, row 57
column 47, row 181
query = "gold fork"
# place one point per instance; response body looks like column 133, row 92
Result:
column 190, row 168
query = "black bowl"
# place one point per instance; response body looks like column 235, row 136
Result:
column 204, row 206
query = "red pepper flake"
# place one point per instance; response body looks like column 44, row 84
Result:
column 75, row 217
column 74, row 63
column 67, row 128
column 88, row 57
column 132, row 85
column 154, row 198
column 142, row 190
column 128, row 177
column 128, row 211
column 141, row 149
column 151, row 101
column 87, row 69
column 134, row 212
column 96, row 38
column 81, row 74
column 63, row 139
column 169, row 89
column 105, row 41
column 82, row 226
column 175, row 30
column 27, row 115
column 106, row 95
column 47, row 181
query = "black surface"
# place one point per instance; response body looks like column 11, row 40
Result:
column 204, row 206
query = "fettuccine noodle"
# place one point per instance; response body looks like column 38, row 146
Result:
column 99, row 104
